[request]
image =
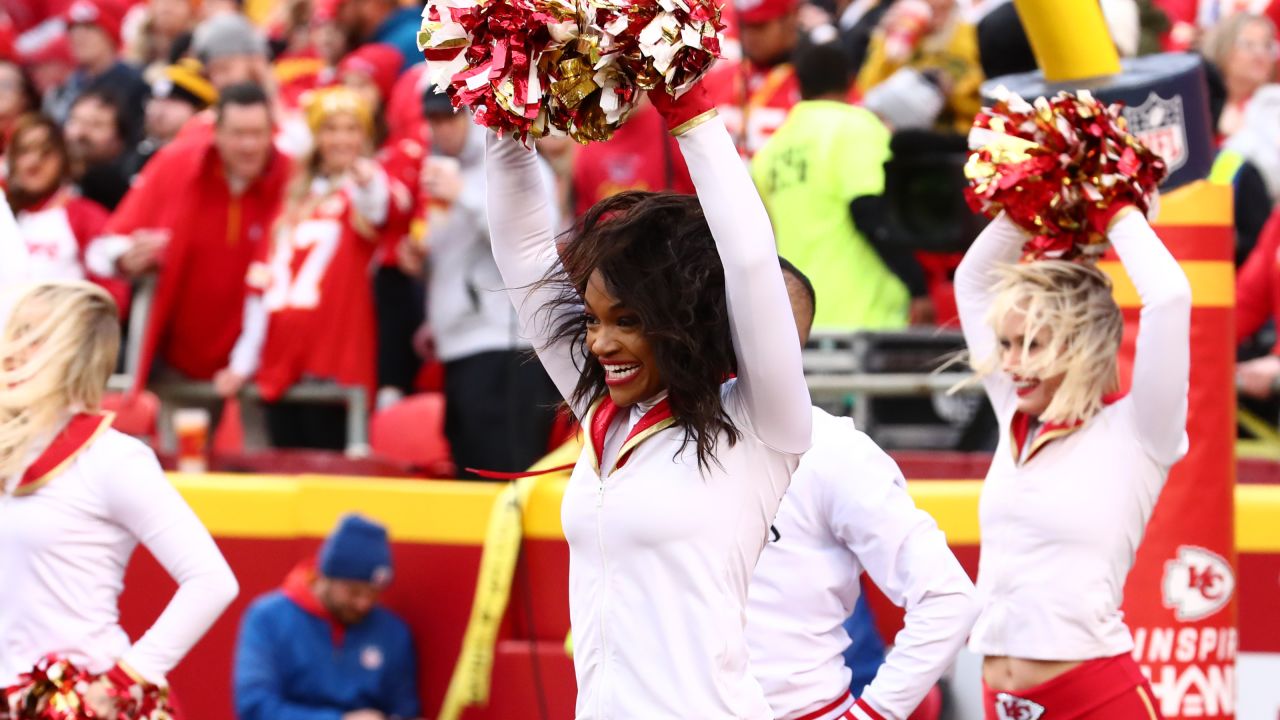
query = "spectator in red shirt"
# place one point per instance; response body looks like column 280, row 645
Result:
column 755, row 94
column 196, row 216
column 641, row 155
column 310, row 314
column 55, row 223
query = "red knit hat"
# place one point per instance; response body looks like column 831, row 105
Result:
column 377, row 61
column 103, row 14
column 754, row 12
column 323, row 11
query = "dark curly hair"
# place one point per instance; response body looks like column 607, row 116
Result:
column 656, row 255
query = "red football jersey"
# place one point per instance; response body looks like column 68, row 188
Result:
column 316, row 288
column 401, row 159
column 641, row 155
column 754, row 102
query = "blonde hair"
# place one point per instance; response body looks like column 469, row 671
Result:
column 1073, row 301
column 320, row 105
column 1218, row 43
column 58, row 349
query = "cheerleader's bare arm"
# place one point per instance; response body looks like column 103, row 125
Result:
column 141, row 499
column 1162, row 358
column 770, row 372
column 521, row 231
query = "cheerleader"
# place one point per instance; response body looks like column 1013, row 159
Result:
column 310, row 310
column 657, row 299
column 1079, row 467
column 848, row 510
column 78, row 498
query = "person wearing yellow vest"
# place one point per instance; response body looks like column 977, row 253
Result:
column 826, row 154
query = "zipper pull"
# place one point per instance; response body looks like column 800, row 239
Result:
column 600, row 495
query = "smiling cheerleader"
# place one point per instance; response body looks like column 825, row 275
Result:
column 665, row 324
column 1079, row 466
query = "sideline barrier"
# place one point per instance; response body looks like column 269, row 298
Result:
column 266, row 524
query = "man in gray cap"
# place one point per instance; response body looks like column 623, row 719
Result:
column 233, row 51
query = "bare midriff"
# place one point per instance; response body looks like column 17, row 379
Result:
column 1006, row 674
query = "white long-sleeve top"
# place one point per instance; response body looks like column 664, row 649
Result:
column 63, row 553
column 848, row 510
column 1060, row 529
column 661, row 553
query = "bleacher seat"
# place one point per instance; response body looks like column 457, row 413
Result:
column 136, row 416
column 412, row 431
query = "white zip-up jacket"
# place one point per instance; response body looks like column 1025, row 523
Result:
column 848, row 510
column 661, row 553
column 64, row 547
column 1062, row 516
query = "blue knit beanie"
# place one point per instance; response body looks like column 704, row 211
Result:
column 357, row 550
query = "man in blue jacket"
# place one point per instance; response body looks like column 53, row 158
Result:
column 320, row 647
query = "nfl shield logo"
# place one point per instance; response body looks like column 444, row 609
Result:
column 1159, row 124
column 1012, row 707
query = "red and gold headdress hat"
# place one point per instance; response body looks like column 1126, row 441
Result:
column 319, row 105
column 1060, row 168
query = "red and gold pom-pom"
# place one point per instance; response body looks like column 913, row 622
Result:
column 55, row 690
column 1060, row 168
column 561, row 67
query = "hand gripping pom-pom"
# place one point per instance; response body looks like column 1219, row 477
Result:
column 55, row 688
column 1060, row 168
column 531, row 68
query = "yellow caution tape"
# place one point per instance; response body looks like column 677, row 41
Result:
column 473, row 672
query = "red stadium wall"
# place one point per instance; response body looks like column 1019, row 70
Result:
column 266, row 525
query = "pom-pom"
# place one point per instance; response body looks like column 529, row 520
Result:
column 1060, row 168
column 55, row 689
column 560, row 67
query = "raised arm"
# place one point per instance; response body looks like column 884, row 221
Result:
column 1162, row 358
column 521, row 231
column 999, row 243
column 770, row 373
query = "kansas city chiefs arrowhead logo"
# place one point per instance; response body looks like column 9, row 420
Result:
column 1012, row 707
column 1196, row 584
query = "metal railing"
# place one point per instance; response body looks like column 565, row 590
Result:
column 354, row 397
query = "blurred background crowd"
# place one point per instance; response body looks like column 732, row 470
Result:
column 185, row 154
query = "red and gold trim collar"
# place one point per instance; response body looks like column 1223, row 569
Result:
column 1020, row 432
column 78, row 435
column 600, row 416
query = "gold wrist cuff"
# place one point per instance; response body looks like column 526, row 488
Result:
column 693, row 122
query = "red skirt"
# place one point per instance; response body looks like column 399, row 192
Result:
column 1103, row 689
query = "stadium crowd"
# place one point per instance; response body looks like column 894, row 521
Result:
column 275, row 196
column 196, row 153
